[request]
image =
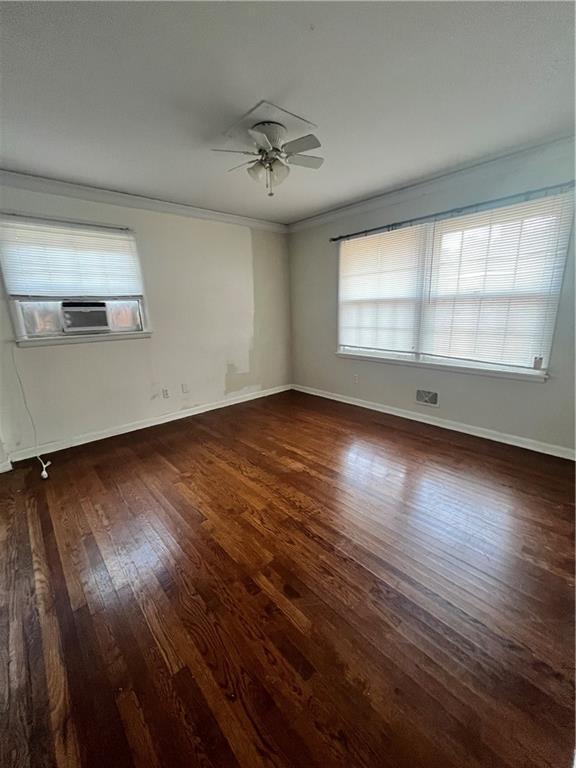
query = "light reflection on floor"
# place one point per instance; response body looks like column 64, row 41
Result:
column 456, row 513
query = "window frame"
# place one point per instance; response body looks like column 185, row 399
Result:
column 14, row 301
column 499, row 372
column 453, row 365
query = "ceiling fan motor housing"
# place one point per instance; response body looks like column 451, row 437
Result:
column 274, row 132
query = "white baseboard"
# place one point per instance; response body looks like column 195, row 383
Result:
column 88, row 437
column 488, row 434
column 456, row 426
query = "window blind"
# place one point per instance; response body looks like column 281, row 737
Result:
column 481, row 288
column 381, row 289
column 44, row 259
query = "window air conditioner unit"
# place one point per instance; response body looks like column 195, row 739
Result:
column 84, row 317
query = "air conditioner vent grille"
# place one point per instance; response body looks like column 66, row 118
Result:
column 85, row 317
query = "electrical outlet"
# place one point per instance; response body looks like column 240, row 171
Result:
column 185, row 388
column 165, row 394
column 355, row 378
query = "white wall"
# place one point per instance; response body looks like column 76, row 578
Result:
column 218, row 299
column 535, row 412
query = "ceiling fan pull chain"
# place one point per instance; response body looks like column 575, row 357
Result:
column 269, row 181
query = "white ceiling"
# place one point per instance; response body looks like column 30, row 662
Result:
column 131, row 96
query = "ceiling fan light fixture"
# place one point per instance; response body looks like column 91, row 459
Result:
column 279, row 172
column 257, row 172
column 271, row 174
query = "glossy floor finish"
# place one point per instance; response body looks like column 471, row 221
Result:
column 288, row 582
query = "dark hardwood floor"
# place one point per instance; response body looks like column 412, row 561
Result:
column 288, row 582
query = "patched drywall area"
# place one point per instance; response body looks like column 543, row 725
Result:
column 270, row 349
column 217, row 297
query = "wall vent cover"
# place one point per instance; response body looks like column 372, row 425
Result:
column 424, row 397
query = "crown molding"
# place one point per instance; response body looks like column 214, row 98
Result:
column 50, row 186
column 392, row 196
column 396, row 195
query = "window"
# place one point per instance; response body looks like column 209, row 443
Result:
column 478, row 291
column 68, row 281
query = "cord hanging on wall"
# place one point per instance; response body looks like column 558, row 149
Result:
column 45, row 464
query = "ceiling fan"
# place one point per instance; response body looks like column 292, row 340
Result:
column 273, row 156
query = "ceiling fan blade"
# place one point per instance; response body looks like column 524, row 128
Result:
column 306, row 161
column 237, row 152
column 303, row 144
column 249, row 162
column 262, row 141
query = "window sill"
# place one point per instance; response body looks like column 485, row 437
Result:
column 498, row 373
column 49, row 341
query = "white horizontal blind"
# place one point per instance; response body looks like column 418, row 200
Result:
column 481, row 288
column 45, row 259
column 380, row 290
column 495, row 282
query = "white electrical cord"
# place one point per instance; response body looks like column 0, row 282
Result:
column 45, row 464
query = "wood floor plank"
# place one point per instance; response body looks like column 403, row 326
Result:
column 288, row 583
column 16, row 735
column 59, row 713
